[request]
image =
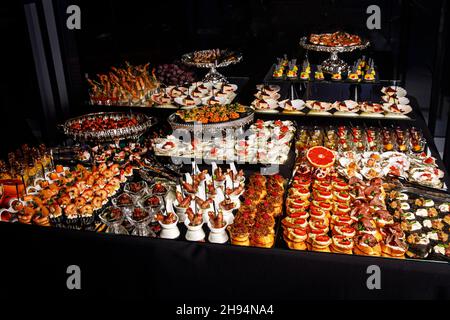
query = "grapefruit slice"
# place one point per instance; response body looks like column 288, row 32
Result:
column 320, row 157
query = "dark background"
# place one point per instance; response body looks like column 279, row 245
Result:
column 160, row 32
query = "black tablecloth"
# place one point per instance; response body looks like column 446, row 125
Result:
column 34, row 260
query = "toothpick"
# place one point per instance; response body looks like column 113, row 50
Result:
column 17, row 191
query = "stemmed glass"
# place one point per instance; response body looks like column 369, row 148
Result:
column 113, row 218
column 140, row 218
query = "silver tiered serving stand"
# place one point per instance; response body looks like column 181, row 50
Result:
column 213, row 75
column 211, row 127
column 333, row 64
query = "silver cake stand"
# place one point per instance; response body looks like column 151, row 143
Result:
column 143, row 123
column 213, row 75
column 333, row 64
column 246, row 119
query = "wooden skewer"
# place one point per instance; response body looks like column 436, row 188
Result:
column 17, row 191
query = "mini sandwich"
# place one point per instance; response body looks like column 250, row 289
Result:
column 341, row 221
column 299, row 192
column 318, row 226
column 341, row 209
column 294, row 223
column 394, row 246
column 239, row 234
column 367, row 245
column 297, row 203
column 295, row 238
column 323, row 195
column 319, row 243
column 342, row 244
column 368, row 226
column 383, row 218
column 341, row 197
column 262, row 237
column 344, row 230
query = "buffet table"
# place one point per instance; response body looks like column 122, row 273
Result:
column 132, row 267
column 126, row 267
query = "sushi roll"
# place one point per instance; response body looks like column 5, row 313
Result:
column 441, row 252
column 445, row 207
column 72, row 217
column 405, row 206
column 87, row 218
column 419, row 246
column 437, row 224
column 433, row 235
column 411, row 226
column 56, row 215
column 432, row 213
column 443, row 236
column 423, row 213
column 447, row 219
column 402, row 196
column 408, row 216
column 428, row 203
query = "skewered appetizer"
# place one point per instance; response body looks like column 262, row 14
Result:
column 121, row 85
column 216, row 220
column 167, row 218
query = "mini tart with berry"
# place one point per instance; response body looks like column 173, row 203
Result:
column 336, row 77
column 353, row 77
column 318, row 75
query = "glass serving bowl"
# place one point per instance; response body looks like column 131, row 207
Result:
column 113, row 218
column 140, row 218
column 125, row 202
column 136, row 189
